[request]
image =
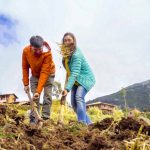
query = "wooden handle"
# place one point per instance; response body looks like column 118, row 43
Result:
column 33, row 107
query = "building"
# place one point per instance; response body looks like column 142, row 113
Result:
column 8, row 98
column 105, row 107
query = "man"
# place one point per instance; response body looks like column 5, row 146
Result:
column 38, row 57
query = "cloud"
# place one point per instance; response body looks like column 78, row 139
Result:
column 8, row 30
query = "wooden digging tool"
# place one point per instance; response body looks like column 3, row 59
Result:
column 61, row 111
column 38, row 119
column 62, row 107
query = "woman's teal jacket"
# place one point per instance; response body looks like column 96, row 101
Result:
column 80, row 71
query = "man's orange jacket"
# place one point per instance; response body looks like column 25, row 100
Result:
column 41, row 67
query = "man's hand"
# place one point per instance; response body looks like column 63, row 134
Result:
column 26, row 89
column 65, row 92
column 36, row 96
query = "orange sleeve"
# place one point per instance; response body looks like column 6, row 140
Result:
column 47, row 69
column 25, row 69
column 52, row 65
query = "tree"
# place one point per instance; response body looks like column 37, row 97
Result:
column 124, row 93
column 57, row 89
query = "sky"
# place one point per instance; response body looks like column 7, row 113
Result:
column 113, row 35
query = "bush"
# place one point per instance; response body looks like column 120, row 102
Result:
column 94, row 111
column 117, row 114
column 96, row 114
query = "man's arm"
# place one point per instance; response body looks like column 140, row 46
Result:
column 47, row 69
column 25, row 69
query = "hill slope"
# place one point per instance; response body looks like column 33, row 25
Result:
column 137, row 95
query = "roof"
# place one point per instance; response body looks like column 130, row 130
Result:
column 1, row 95
column 97, row 103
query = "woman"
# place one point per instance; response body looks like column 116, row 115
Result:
column 79, row 78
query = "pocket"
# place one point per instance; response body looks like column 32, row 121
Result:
column 53, row 76
column 51, row 79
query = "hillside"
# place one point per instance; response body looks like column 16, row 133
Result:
column 137, row 95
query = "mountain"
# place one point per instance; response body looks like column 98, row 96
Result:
column 136, row 95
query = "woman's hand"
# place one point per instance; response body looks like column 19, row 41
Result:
column 65, row 92
column 63, row 97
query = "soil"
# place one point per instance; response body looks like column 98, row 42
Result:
column 104, row 135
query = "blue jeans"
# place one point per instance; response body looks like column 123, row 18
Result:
column 78, row 103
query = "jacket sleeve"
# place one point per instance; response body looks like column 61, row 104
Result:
column 25, row 69
column 74, row 72
column 47, row 69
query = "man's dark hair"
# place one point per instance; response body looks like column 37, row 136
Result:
column 36, row 41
